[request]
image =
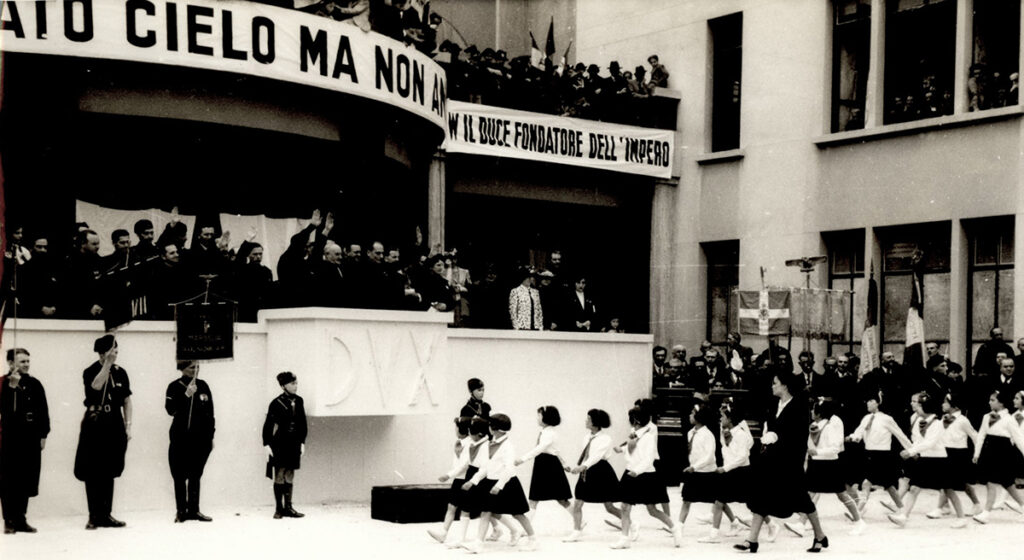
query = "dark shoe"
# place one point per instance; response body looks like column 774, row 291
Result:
column 111, row 522
column 198, row 516
column 9, row 529
column 92, row 525
column 747, row 545
column 24, row 527
column 278, row 514
column 818, row 545
column 290, row 512
column 180, row 517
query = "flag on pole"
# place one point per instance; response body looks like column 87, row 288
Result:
column 913, row 355
column 536, row 57
column 869, row 339
column 549, row 47
column 3, row 246
column 764, row 313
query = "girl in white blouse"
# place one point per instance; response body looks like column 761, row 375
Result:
column 734, row 476
column 457, row 474
column 548, row 481
column 640, row 483
column 931, row 468
column 877, row 430
column 958, row 432
column 1000, row 442
column 824, row 473
column 597, row 482
column 500, row 487
column 699, row 478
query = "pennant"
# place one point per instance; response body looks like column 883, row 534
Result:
column 536, row 57
column 869, row 339
column 913, row 355
column 549, row 47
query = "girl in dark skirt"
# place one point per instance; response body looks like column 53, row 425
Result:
column 597, row 482
column 500, row 488
column 457, row 474
column 824, row 469
column 1000, row 442
column 961, row 470
column 881, row 468
column 931, row 464
column 699, row 478
column 733, row 477
column 640, row 482
column 782, row 490
column 548, row 481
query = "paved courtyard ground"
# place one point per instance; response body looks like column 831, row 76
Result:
column 332, row 531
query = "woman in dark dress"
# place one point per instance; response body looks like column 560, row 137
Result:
column 106, row 429
column 780, row 470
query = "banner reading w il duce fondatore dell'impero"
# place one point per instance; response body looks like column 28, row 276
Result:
column 494, row 131
column 232, row 36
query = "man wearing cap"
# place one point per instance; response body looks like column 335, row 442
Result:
column 24, row 423
column 284, row 438
column 190, row 403
column 106, row 429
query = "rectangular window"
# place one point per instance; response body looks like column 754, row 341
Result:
column 726, row 70
column 920, row 52
column 990, row 279
column 899, row 244
column 723, row 258
column 846, row 272
column 993, row 74
column 851, row 40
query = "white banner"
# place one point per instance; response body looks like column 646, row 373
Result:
column 494, row 131
column 232, row 36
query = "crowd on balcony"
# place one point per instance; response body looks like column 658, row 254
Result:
column 529, row 82
column 154, row 272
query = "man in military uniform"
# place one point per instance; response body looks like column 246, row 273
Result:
column 24, row 425
column 284, row 438
column 190, row 402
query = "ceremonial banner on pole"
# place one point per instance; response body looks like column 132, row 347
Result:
column 869, row 340
column 820, row 314
column 765, row 312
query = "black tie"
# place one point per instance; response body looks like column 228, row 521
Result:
column 533, row 327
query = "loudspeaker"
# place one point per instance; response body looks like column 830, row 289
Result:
column 413, row 503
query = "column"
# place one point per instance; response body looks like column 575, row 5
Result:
column 959, row 299
column 964, row 55
column 874, row 103
column 436, row 188
column 662, row 232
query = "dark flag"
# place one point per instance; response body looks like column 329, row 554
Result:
column 549, row 48
column 869, row 340
column 913, row 355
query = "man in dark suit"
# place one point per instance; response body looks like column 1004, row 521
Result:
column 985, row 359
column 1008, row 381
column 738, row 356
column 582, row 314
column 888, row 379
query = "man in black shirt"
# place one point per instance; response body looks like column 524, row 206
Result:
column 190, row 402
column 476, row 405
column 25, row 423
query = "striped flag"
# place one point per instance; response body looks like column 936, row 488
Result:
column 913, row 355
column 764, row 313
column 869, row 340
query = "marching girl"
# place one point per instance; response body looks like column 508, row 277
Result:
column 499, row 487
column 470, row 499
column 733, row 480
column 907, row 467
column 457, row 474
column 640, row 482
column 824, row 471
column 996, row 454
column 958, row 430
column 597, row 482
column 665, row 515
column 548, row 481
column 699, row 478
column 881, row 468
column 930, row 463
